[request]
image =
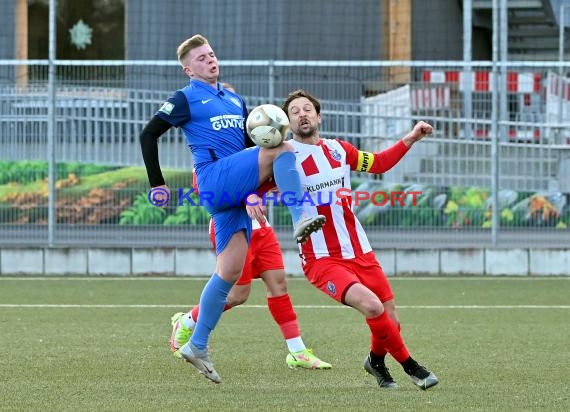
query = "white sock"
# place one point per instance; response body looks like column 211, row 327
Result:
column 189, row 349
column 186, row 349
column 187, row 321
column 295, row 344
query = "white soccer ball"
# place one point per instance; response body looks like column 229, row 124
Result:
column 267, row 125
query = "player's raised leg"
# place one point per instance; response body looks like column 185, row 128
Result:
column 280, row 162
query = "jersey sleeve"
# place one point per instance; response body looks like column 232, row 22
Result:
column 378, row 162
column 352, row 155
column 175, row 110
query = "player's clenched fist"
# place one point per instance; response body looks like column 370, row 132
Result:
column 420, row 130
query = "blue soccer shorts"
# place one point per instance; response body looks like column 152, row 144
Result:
column 223, row 186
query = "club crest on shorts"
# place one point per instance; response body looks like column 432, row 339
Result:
column 331, row 288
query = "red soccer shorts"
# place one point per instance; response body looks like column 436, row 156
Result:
column 335, row 275
column 263, row 254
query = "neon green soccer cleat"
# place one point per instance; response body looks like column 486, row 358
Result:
column 305, row 359
column 180, row 334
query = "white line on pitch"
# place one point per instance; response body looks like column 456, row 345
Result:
column 143, row 306
column 290, row 278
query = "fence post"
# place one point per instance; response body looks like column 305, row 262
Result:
column 51, row 113
column 22, row 42
column 504, row 116
column 495, row 128
column 270, row 208
column 271, row 81
column 467, row 69
column 559, row 91
column 503, row 87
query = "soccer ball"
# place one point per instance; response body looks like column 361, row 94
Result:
column 267, row 125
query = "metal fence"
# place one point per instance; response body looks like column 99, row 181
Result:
column 496, row 170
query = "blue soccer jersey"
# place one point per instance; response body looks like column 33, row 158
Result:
column 212, row 120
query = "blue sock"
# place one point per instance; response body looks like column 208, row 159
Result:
column 288, row 182
column 212, row 303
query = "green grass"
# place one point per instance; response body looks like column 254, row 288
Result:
column 117, row 358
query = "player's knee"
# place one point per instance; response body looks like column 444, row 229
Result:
column 229, row 270
column 271, row 154
column 234, row 301
column 229, row 274
column 238, row 295
column 276, row 282
column 372, row 307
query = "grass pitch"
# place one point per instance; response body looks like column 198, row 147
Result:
column 497, row 344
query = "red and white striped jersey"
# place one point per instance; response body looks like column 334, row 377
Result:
column 325, row 168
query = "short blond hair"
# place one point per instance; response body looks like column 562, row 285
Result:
column 193, row 42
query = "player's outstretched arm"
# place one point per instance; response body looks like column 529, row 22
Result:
column 381, row 162
column 420, row 130
column 155, row 128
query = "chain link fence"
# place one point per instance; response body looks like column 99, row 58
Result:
column 99, row 189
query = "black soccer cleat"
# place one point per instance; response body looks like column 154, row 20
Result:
column 381, row 373
column 421, row 377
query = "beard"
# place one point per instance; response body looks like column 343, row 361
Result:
column 305, row 133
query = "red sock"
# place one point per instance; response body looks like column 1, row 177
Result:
column 375, row 345
column 386, row 337
column 196, row 310
column 284, row 315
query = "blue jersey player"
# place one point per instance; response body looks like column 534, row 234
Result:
column 212, row 119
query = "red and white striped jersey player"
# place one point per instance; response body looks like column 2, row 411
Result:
column 339, row 260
